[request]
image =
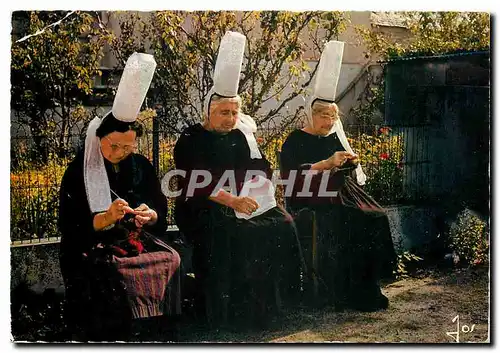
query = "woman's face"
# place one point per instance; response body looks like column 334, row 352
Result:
column 116, row 146
column 323, row 118
column 223, row 116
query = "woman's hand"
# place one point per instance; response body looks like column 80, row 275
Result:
column 339, row 158
column 144, row 215
column 117, row 210
column 244, row 204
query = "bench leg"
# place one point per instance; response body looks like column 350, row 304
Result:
column 315, row 257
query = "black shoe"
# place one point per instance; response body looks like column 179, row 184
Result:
column 380, row 302
column 340, row 306
column 383, row 302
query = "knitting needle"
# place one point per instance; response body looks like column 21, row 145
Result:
column 114, row 193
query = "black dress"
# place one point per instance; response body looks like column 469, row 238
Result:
column 105, row 292
column 355, row 246
column 237, row 263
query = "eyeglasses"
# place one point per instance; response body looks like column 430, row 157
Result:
column 325, row 113
column 328, row 116
column 115, row 147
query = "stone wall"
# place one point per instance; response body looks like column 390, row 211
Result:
column 38, row 266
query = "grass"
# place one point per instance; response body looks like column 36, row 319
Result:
column 421, row 311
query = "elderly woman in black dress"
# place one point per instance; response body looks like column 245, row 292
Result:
column 354, row 240
column 116, row 268
column 242, row 243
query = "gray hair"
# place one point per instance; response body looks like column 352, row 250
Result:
column 216, row 99
column 320, row 105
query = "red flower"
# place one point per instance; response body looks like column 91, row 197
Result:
column 384, row 156
column 385, row 130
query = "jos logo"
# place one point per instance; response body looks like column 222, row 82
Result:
column 464, row 329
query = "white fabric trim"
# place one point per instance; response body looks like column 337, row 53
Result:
column 95, row 176
column 262, row 191
column 248, row 127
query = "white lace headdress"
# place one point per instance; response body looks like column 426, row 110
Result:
column 325, row 88
column 134, row 84
column 226, row 82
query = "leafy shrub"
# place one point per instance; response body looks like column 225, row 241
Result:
column 469, row 238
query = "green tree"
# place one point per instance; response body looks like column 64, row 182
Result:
column 53, row 72
column 433, row 33
column 185, row 47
